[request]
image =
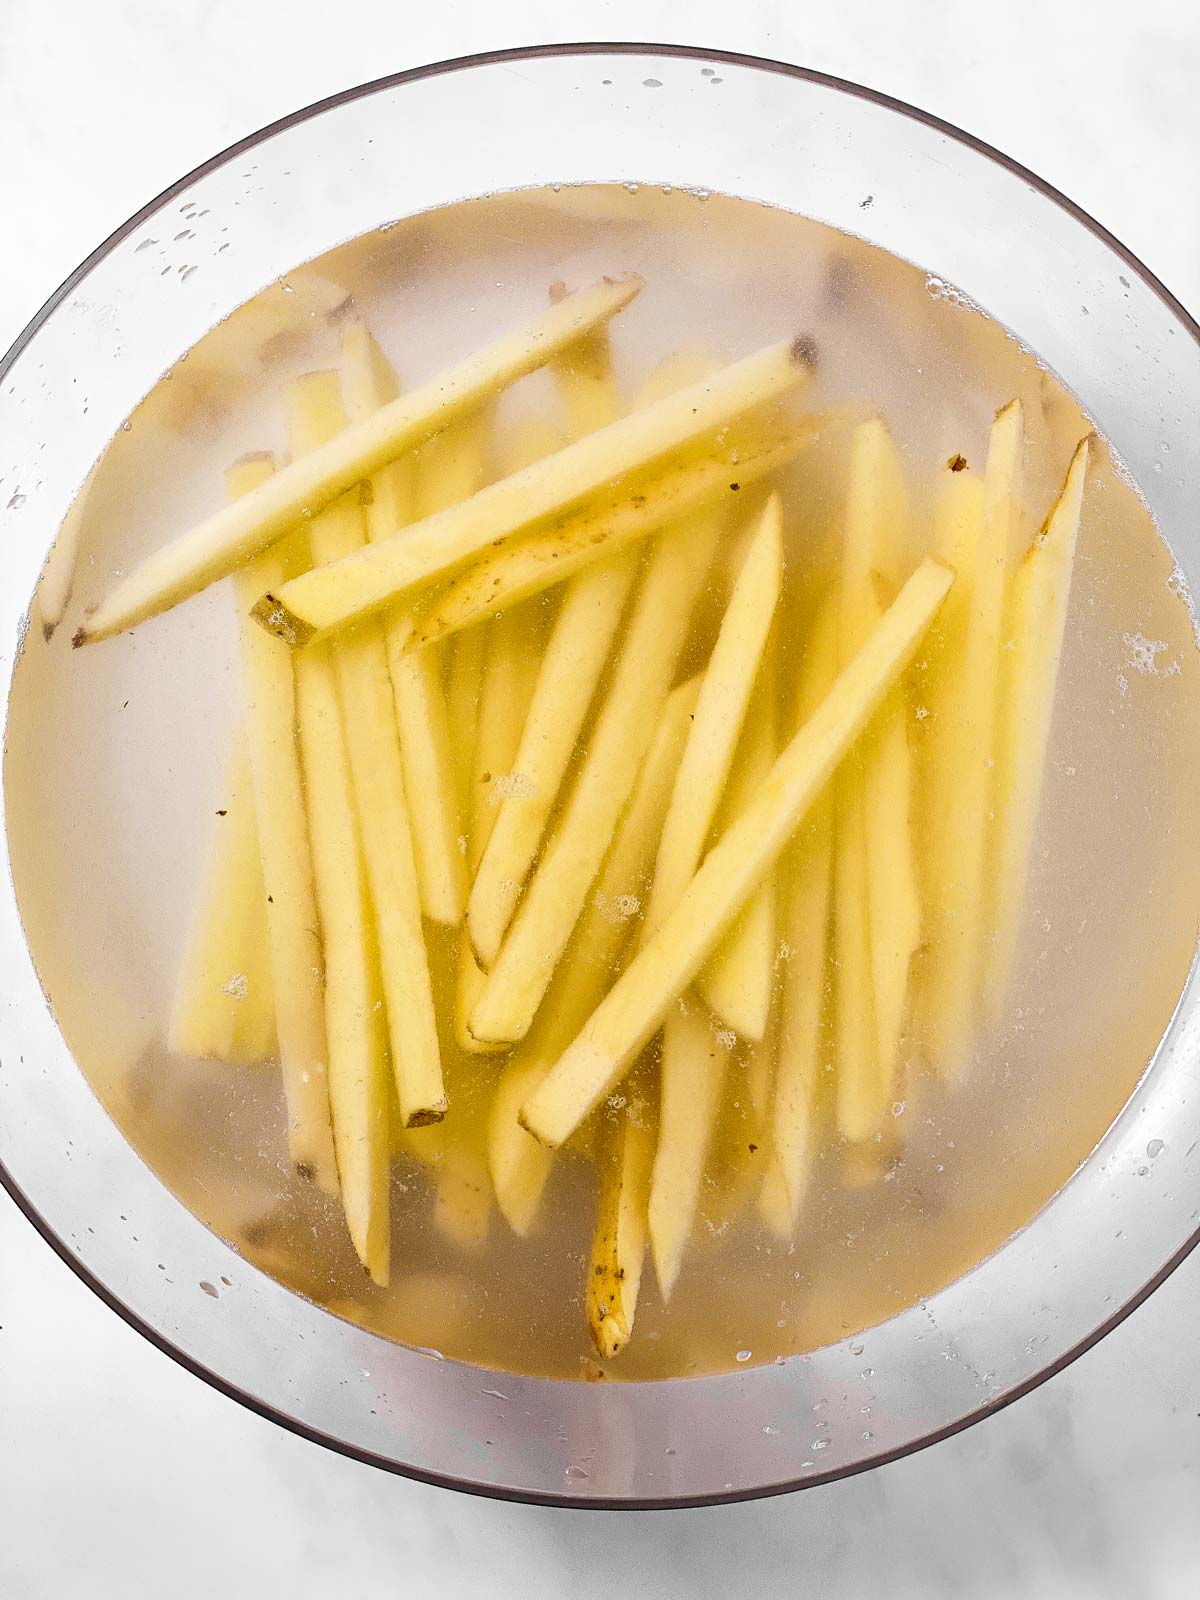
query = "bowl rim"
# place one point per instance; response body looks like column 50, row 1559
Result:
column 389, row 81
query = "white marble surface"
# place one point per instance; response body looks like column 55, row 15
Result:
column 120, row 1475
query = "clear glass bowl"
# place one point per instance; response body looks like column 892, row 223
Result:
column 690, row 119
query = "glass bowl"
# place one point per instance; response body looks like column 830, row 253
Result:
column 692, row 119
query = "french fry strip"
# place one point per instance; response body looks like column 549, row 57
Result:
column 661, row 971
column 619, row 1246
column 738, row 979
column 358, row 1087
column 641, row 678
column 372, row 749
column 958, row 530
column 520, row 1166
column 972, row 714
column 223, row 1009
column 505, row 683
column 878, row 923
column 448, row 468
column 462, row 1207
column 692, row 1075
column 693, row 1062
column 293, row 940
column 579, row 645
column 316, row 602
column 610, row 522
column 720, row 713
column 807, row 881
column 219, row 545
column 1036, row 623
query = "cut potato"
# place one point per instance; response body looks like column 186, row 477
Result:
column 372, row 749
column 720, row 712
column 241, row 531
column 448, row 468
column 611, row 521
column 806, row 884
column 878, row 921
column 58, row 575
column 955, row 968
column 641, row 678
column 738, row 979
column 578, row 648
column 223, row 1007
column 319, row 601
column 293, row 940
column 619, row 1246
column 358, row 1087
column 520, row 1165
column 693, row 1069
column 957, row 534
column 1035, row 625
column 637, row 1003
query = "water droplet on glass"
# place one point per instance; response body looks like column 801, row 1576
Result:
column 1155, row 1148
column 856, row 1349
column 868, row 1372
column 669, row 1451
column 16, row 501
column 744, row 1355
column 651, row 83
column 819, row 1444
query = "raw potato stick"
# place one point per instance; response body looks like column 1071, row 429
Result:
column 505, row 685
column 958, row 530
column 449, row 467
column 319, row 601
column 372, row 749
column 1036, row 623
column 738, row 979
column 692, row 1075
column 223, row 1009
column 641, row 678
column 661, row 971
column 806, row 900
column 619, row 1246
column 293, row 940
column 610, row 522
column 955, row 967
column 58, row 575
column 234, row 535
column 720, row 713
column 566, row 683
column 520, row 1165
column 358, row 1087
column 877, row 925
column 692, row 1067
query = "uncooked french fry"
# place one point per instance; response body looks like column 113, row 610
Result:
column 223, row 1009
column 806, row 903
column 692, row 1075
column 463, row 1200
column 611, row 522
column 316, row 602
column 641, row 677
column 619, row 1246
column 293, row 940
column 505, row 687
column 234, row 535
column 720, row 712
column 520, row 1165
column 1035, row 625
column 566, row 683
column 448, row 468
column 372, row 749
column 877, row 922
column 957, row 534
column 358, row 1088
column 738, row 978
column 955, row 965
column 638, row 1001
column 58, row 575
